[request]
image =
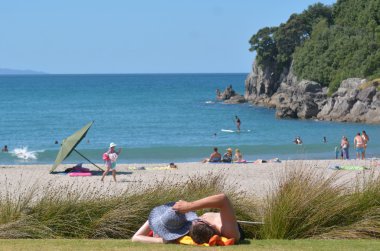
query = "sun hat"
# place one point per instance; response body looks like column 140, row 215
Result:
column 168, row 223
column 112, row 144
column 229, row 149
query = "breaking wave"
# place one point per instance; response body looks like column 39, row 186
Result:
column 23, row 153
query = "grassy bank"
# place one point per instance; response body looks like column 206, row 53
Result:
column 60, row 245
column 303, row 204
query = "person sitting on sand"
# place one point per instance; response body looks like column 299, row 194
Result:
column 214, row 157
column 172, row 165
column 168, row 223
column 227, row 157
column 110, row 158
column 238, row 157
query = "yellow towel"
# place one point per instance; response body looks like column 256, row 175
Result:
column 216, row 240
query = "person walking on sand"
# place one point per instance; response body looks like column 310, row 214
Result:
column 110, row 158
column 365, row 139
column 238, row 123
column 359, row 146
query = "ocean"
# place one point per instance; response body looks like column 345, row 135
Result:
column 153, row 118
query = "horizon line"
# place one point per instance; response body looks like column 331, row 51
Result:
column 150, row 73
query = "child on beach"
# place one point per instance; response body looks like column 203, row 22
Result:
column 110, row 158
column 337, row 152
column 238, row 157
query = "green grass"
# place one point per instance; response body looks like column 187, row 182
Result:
column 374, row 82
column 65, row 244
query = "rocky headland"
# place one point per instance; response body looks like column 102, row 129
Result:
column 356, row 100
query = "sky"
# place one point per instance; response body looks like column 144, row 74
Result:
column 140, row 36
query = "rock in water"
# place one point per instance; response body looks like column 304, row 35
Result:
column 229, row 96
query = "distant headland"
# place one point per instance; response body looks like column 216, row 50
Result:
column 321, row 64
column 6, row 71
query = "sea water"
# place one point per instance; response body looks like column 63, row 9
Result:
column 153, row 118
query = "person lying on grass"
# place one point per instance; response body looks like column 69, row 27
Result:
column 168, row 223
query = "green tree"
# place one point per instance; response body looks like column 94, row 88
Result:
column 326, row 43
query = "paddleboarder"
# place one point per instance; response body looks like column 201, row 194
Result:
column 238, row 123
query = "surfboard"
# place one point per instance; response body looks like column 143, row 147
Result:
column 227, row 130
column 232, row 131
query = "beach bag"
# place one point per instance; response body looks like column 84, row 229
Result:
column 105, row 157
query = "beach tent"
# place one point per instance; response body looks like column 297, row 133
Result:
column 68, row 146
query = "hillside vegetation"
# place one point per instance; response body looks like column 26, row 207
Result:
column 326, row 44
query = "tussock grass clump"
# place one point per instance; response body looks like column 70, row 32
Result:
column 304, row 203
column 72, row 211
column 307, row 204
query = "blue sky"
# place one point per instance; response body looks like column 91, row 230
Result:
column 141, row 36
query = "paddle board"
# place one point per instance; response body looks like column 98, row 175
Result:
column 232, row 131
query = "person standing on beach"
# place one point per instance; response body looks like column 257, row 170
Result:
column 365, row 139
column 345, row 145
column 110, row 158
column 359, row 146
column 337, row 151
column 238, row 123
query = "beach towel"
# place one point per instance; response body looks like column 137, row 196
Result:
column 78, row 174
column 216, row 240
column 152, row 168
column 347, row 167
column 353, row 168
column 236, row 162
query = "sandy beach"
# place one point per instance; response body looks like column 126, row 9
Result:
column 256, row 179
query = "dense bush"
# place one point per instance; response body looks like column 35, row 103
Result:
column 328, row 43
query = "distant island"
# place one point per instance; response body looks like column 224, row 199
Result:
column 5, row 71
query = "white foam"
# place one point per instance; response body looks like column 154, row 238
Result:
column 23, row 153
column 209, row 102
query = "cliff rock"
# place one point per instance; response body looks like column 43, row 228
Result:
column 354, row 100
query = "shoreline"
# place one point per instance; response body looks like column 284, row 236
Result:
column 256, row 179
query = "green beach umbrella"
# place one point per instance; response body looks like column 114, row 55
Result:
column 68, row 146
